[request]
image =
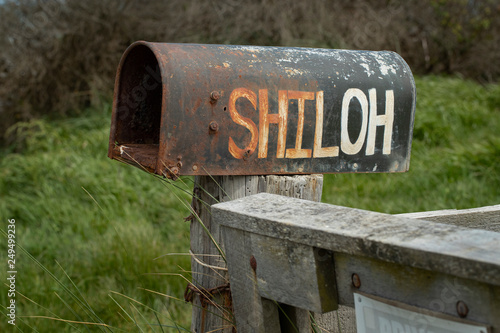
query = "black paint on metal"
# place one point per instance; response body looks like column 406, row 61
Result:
column 168, row 98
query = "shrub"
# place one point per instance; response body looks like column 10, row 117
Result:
column 61, row 55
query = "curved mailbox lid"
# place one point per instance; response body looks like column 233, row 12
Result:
column 189, row 109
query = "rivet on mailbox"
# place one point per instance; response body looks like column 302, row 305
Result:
column 274, row 110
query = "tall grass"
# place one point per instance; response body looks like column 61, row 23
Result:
column 95, row 226
column 455, row 159
column 103, row 222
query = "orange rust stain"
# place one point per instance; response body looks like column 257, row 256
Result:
column 243, row 121
column 197, row 105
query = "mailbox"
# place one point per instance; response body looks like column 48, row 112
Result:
column 190, row 109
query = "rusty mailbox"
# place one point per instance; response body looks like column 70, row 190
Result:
column 187, row 109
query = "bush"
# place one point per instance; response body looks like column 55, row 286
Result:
column 61, row 55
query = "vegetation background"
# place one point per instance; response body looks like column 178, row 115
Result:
column 100, row 238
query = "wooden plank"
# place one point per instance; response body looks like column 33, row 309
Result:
column 468, row 253
column 487, row 218
column 342, row 320
column 298, row 270
column 427, row 290
column 208, row 267
column 302, row 187
column 253, row 313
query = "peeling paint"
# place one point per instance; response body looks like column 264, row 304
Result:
column 368, row 71
column 306, row 97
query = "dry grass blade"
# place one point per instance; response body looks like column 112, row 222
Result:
column 69, row 321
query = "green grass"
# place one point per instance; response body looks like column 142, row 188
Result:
column 101, row 250
column 103, row 223
column 455, row 159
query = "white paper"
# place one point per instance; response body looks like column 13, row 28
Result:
column 377, row 317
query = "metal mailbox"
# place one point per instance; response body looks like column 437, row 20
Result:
column 190, row 109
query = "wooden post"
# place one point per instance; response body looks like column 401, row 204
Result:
column 209, row 290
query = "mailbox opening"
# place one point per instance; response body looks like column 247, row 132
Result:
column 138, row 104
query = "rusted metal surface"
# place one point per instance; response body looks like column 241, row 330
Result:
column 185, row 109
column 356, row 281
column 462, row 309
column 253, row 263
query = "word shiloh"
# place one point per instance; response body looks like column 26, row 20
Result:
column 370, row 120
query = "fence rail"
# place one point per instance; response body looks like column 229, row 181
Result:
column 314, row 256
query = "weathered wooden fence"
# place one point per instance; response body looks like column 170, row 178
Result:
column 399, row 273
column 246, row 119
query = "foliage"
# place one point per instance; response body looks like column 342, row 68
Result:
column 59, row 56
